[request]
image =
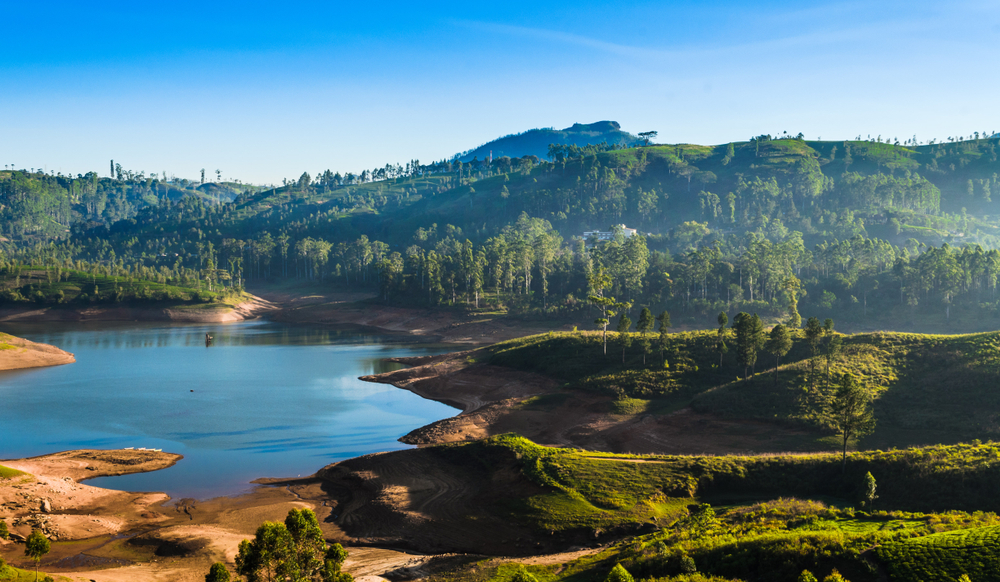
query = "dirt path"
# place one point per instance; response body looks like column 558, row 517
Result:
column 17, row 353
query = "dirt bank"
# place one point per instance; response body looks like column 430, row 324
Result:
column 496, row 400
column 49, row 496
column 17, row 353
column 181, row 313
column 418, row 500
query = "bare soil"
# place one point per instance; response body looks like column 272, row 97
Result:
column 106, row 535
column 18, row 353
column 495, row 400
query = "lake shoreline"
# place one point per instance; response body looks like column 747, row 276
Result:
column 172, row 312
column 19, row 354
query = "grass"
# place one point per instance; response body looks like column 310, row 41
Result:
column 804, row 517
column 11, row 574
column 8, row 473
column 944, row 557
column 585, row 490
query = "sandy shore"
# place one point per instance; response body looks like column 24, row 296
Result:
column 17, row 353
column 107, row 535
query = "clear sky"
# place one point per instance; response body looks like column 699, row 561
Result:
column 267, row 90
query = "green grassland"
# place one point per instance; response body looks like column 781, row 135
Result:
column 773, row 516
column 927, row 388
column 945, row 556
column 9, row 573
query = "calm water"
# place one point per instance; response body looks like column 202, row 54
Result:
column 269, row 400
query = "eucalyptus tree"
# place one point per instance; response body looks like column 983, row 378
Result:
column 852, row 411
column 645, row 326
column 720, row 342
column 778, row 344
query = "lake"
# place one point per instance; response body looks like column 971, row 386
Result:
column 264, row 400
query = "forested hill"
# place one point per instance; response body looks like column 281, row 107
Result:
column 536, row 142
column 855, row 228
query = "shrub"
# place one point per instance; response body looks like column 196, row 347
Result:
column 687, row 565
column 619, row 574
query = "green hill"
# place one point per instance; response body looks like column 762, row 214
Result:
column 927, row 389
column 536, row 142
column 770, row 516
column 880, row 235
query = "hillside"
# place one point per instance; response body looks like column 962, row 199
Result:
column 880, row 235
column 926, row 390
column 536, row 142
column 506, row 495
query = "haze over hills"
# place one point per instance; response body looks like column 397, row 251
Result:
column 535, row 142
column 874, row 232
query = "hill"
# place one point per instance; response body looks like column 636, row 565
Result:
column 506, row 495
column 881, row 235
column 926, row 389
column 536, row 142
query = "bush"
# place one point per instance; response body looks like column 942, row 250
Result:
column 687, row 565
column 619, row 574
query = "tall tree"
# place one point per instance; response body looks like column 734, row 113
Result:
column 870, row 487
column 832, row 346
column 36, row 546
column 793, row 288
column 746, row 346
column 600, row 284
column 720, row 342
column 759, row 337
column 778, row 345
column 853, row 413
column 664, row 321
column 624, row 323
column 814, row 331
column 645, row 326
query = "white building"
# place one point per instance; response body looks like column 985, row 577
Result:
column 595, row 236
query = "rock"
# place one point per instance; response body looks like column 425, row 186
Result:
column 46, row 506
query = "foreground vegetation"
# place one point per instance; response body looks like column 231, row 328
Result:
column 751, row 518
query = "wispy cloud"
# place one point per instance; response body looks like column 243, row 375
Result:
column 821, row 35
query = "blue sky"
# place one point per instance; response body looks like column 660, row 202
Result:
column 265, row 91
